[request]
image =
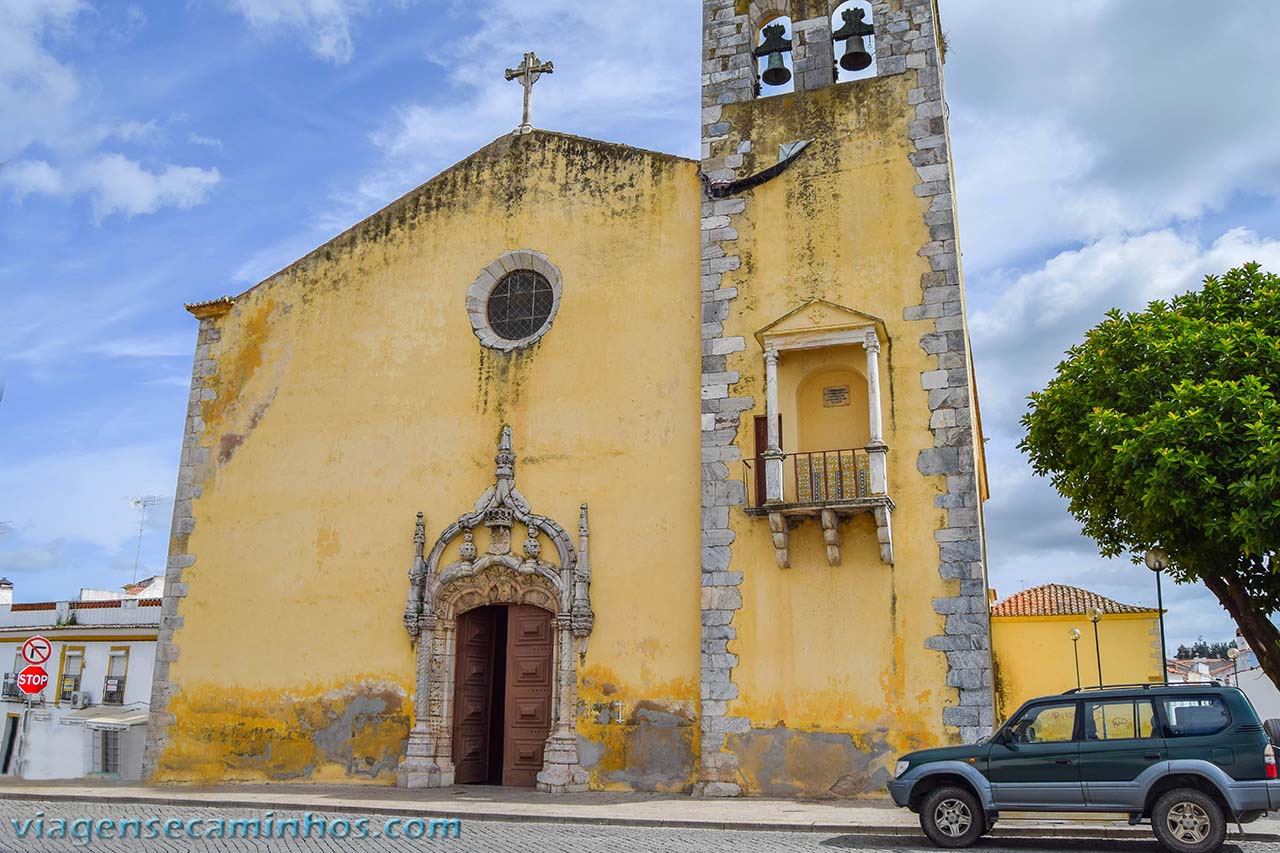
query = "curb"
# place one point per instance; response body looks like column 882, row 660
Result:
column 1114, row 833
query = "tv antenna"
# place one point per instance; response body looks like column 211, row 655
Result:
column 141, row 505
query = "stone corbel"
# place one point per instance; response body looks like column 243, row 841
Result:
column 884, row 533
column 780, row 527
column 831, row 535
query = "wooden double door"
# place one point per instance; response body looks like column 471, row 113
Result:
column 502, row 694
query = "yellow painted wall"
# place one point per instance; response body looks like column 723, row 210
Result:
column 833, row 655
column 1033, row 655
column 351, row 392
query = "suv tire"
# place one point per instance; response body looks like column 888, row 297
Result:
column 1186, row 820
column 952, row 817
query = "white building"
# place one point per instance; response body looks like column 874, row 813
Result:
column 91, row 718
column 1255, row 683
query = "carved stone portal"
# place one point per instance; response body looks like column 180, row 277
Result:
column 438, row 595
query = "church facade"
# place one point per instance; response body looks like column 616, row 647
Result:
column 587, row 467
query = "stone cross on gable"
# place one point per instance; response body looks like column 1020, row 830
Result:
column 529, row 71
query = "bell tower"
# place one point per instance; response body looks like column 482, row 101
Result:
column 842, row 475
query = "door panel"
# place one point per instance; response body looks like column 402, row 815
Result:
column 1035, row 764
column 762, row 444
column 1120, row 743
column 528, row 693
column 473, row 687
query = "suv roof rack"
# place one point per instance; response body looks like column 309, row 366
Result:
column 1147, row 685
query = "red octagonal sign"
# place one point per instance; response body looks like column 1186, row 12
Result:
column 33, row 679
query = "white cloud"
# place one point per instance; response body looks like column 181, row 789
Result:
column 31, row 176
column 114, row 184
column 324, row 24
column 207, row 141
column 120, row 185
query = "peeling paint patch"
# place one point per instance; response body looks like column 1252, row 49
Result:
column 229, row 734
column 653, row 750
column 782, row 762
column 640, row 744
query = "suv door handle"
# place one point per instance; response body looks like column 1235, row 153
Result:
column 1153, row 756
column 1062, row 761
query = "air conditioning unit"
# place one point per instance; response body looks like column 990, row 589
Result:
column 80, row 699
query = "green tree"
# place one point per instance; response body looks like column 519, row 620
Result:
column 1162, row 428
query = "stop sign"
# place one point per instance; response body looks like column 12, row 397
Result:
column 33, row 679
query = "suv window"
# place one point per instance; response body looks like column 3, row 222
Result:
column 1119, row 719
column 1194, row 716
column 1045, row 724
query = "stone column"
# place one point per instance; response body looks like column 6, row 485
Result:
column 877, row 450
column 773, row 454
column 561, row 772
column 419, row 768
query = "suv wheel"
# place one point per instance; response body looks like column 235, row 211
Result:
column 1188, row 821
column 952, row 817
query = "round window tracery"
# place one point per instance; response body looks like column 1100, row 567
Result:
column 514, row 301
column 520, row 305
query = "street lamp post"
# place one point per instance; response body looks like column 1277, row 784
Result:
column 1095, row 616
column 1074, row 634
column 1234, row 654
column 1157, row 560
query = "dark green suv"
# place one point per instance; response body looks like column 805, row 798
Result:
column 1187, row 757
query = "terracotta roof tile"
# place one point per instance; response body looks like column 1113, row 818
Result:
column 1055, row 599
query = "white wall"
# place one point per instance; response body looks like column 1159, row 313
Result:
column 1261, row 692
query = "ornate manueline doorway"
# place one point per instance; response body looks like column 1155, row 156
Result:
column 548, row 618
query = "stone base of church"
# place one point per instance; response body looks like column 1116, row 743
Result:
column 562, row 779
column 716, row 789
column 423, row 773
column 561, row 772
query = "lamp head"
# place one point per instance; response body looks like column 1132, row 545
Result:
column 1233, row 653
column 1094, row 614
column 1074, row 634
column 1157, row 559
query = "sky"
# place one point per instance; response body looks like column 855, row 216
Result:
column 156, row 153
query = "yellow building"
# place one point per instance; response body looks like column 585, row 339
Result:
column 754, row 370
column 1037, row 650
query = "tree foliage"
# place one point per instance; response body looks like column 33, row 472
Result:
column 1201, row 649
column 1163, row 428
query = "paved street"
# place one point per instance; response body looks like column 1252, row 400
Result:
column 477, row 836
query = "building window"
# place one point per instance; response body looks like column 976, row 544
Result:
column 10, row 689
column 106, row 747
column 113, row 684
column 520, row 304
column 514, row 301
column 72, row 668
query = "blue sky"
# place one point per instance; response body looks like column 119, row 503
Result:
column 156, row 153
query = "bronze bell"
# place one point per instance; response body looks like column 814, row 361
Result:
column 856, row 57
column 774, row 45
column 777, row 73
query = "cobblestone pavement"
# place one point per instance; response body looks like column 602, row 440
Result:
column 476, row 836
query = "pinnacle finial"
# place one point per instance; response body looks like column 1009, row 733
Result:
column 506, row 457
